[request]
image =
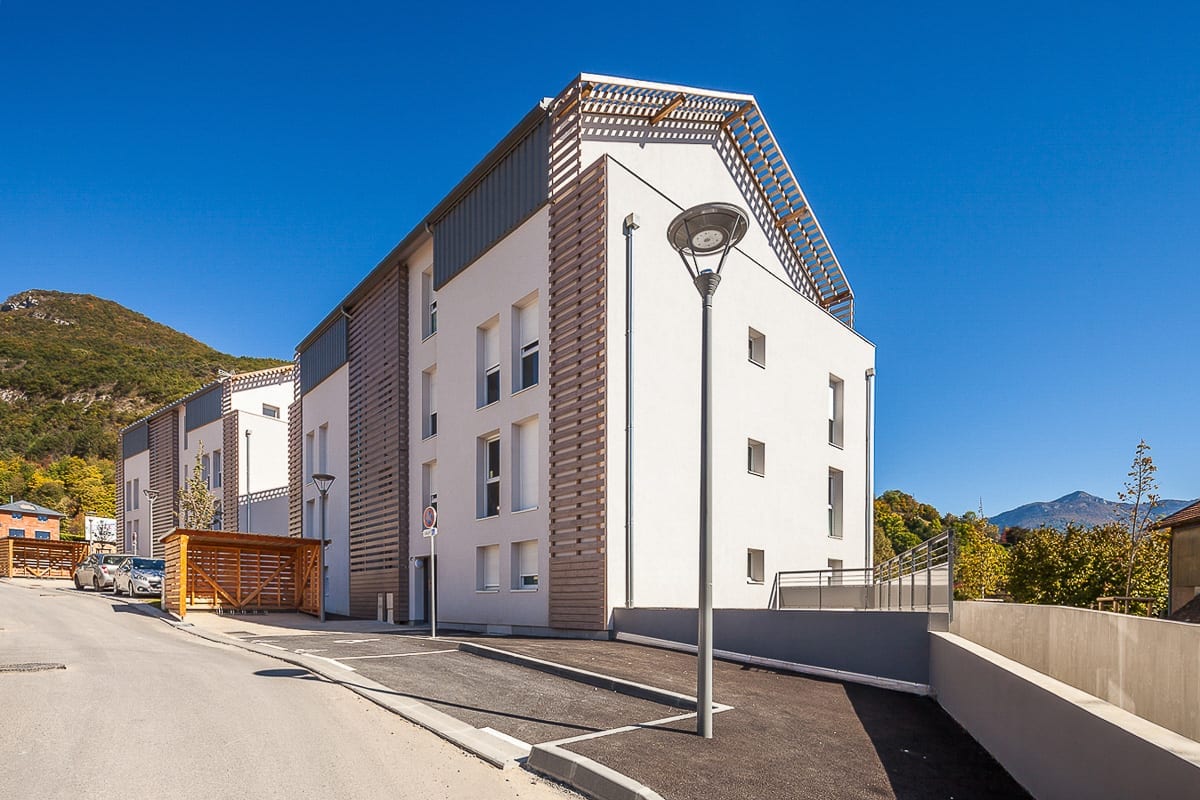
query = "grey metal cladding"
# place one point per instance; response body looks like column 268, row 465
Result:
column 203, row 409
column 323, row 355
column 516, row 187
column 135, row 440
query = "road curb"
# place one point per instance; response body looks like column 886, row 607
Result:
column 619, row 685
column 588, row 776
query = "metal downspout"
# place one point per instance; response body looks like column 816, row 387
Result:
column 631, row 225
column 870, row 478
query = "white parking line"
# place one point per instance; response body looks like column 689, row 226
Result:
column 717, row 708
column 353, row 641
column 398, row 655
column 277, row 647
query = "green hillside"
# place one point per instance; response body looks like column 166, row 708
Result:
column 75, row 368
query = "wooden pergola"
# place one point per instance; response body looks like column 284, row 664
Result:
column 40, row 558
column 223, row 570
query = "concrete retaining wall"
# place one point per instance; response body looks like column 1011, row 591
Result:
column 1057, row 741
column 1148, row 667
column 886, row 644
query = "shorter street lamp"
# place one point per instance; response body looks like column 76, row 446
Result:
column 706, row 230
column 322, row 481
column 151, row 495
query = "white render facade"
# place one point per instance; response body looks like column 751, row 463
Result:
column 159, row 452
column 486, row 373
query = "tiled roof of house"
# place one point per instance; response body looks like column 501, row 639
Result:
column 1184, row 516
column 1190, row 612
column 26, row 507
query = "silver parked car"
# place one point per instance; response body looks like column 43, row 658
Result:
column 138, row 575
column 97, row 570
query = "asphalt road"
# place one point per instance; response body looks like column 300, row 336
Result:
column 144, row 710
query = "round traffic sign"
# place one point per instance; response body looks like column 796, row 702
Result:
column 429, row 517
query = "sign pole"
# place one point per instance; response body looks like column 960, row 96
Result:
column 429, row 518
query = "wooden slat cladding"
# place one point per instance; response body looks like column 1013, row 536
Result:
column 377, row 345
column 230, row 468
column 40, row 558
column 578, row 429
column 164, row 476
column 295, row 468
column 120, row 478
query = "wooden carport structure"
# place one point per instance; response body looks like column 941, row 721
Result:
column 218, row 570
column 40, row 558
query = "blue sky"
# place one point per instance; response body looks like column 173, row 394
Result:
column 1012, row 190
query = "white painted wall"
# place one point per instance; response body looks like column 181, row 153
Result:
column 279, row 394
column 327, row 404
column 784, row 405
column 503, row 277
column 138, row 468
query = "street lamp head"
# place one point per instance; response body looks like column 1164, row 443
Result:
column 322, row 482
column 151, row 494
column 707, row 229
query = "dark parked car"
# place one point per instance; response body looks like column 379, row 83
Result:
column 138, row 575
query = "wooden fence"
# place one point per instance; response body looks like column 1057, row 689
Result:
column 40, row 558
column 220, row 570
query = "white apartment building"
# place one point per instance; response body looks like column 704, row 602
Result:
column 482, row 368
column 238, row 428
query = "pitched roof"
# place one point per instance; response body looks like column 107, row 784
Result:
column 26, row 507
column 1189, row 612
column 1184, row 516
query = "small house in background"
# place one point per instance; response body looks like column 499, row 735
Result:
column 1184, row 597
column 25, row 520
column 240, row 423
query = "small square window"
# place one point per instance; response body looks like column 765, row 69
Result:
column 756, row 457
column 487, row 568
column 270, row 411
column 758, row 348
column 755, row 565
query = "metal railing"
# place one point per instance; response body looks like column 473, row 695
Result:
column 917, row 579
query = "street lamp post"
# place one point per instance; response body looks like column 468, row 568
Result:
column 322, row 481
column 248, row 527
column 151, row 496
column 706, row 230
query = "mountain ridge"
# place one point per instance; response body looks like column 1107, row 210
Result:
column 1077, row 507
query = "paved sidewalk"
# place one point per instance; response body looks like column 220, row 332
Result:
column 785, row 735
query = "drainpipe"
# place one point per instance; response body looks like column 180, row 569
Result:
column 870, row 457
column 247, row 454
column 631, row 225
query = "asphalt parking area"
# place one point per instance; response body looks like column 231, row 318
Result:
column 525, row 704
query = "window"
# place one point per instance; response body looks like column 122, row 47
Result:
column 128, row 495
column 16, row 533
column 429, row 493
column 129, row 545
column 758, row 348
column 323, row 448
column 525, row 465
column 835, row 576
column 429, row 403
column 489, row 469
column 487, row 568
column 270, row 411
column 43, row 518
column 525, row 341
column 216, row 469
column 41, row 534
column 524, row 565
column 309, row 450
column 835, row 503
column 310, row 518
column 756, row 457
column 488, row 344
column 755, row 563
column 836, row 409
column 206, row 470
column 136, row 529
column 428, row 305
column 16, row 514
column 137, row 492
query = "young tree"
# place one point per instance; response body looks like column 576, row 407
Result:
column 1141, row 493
column 197, row 505
column 981, row 562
